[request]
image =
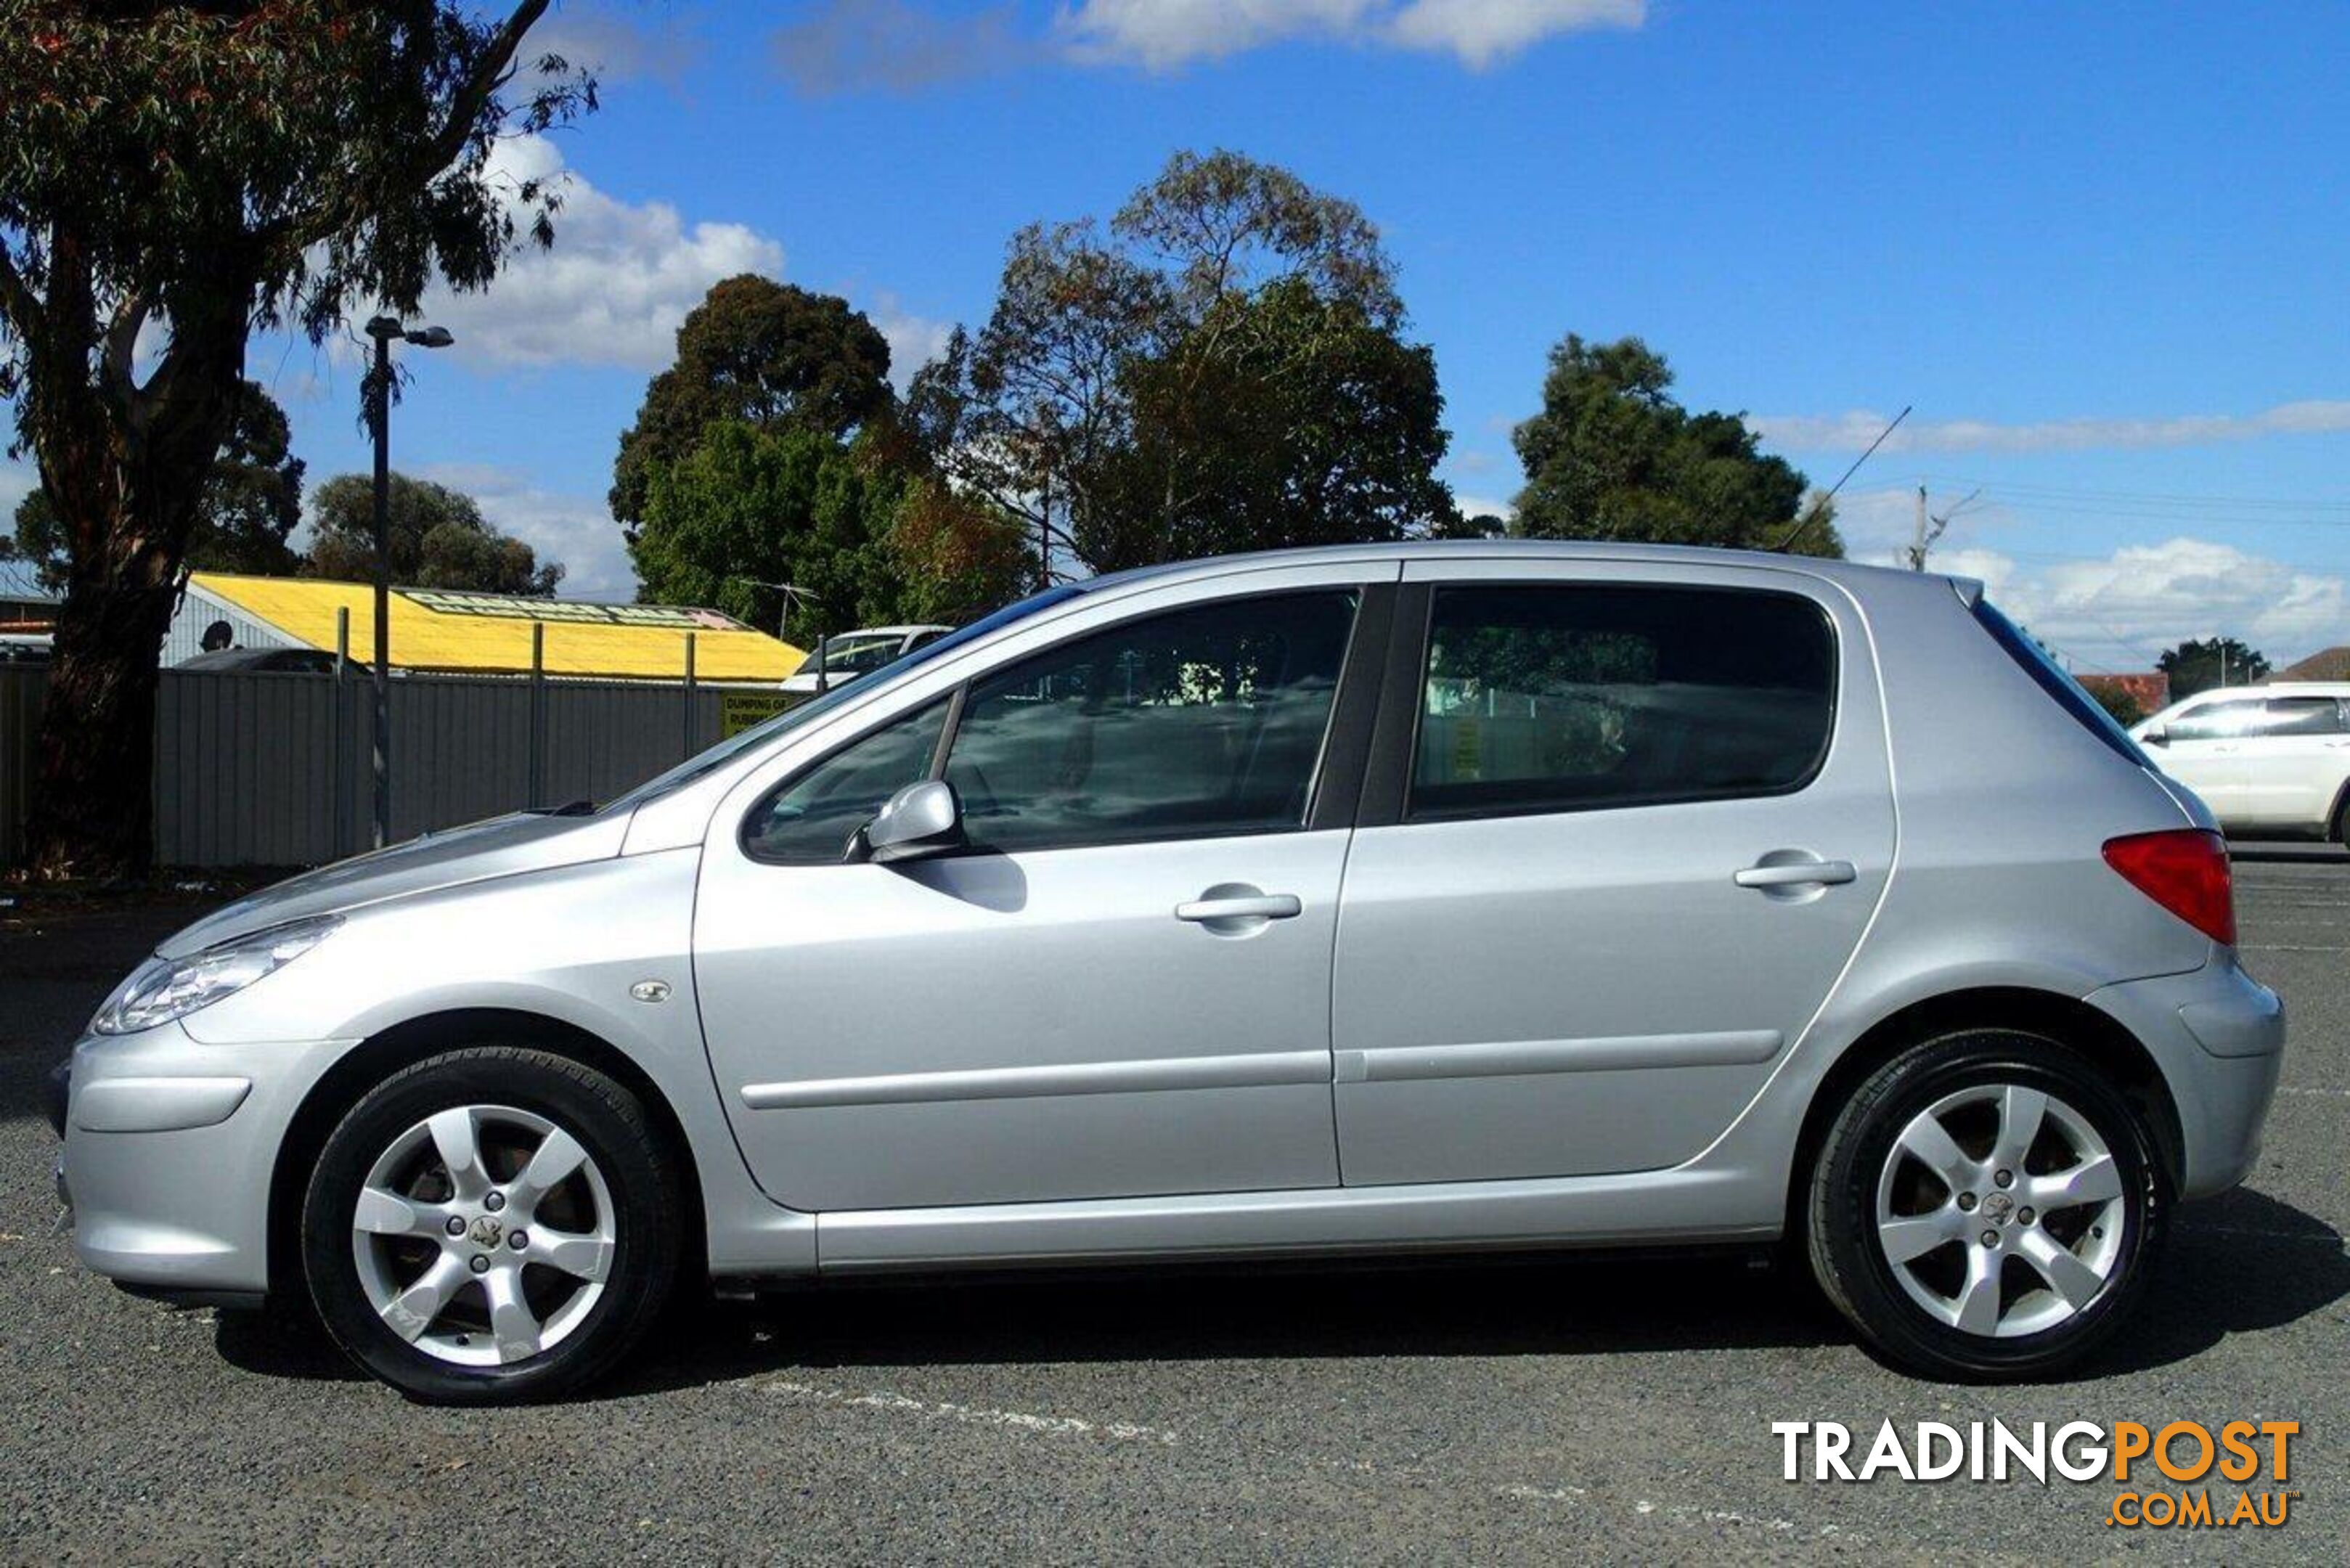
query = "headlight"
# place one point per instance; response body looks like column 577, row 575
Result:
column 163, row 989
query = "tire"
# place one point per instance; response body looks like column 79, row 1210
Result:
column 484, row 1139
column 1874, row 1194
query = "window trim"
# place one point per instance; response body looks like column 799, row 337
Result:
column 1388, row 784
column 1340, row 761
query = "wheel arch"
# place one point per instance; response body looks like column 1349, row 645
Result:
column 402, row 1045
column 2065, row 1019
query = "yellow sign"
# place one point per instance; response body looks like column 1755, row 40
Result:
column 738, row 711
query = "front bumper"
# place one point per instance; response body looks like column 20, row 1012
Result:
column 2218, row 1035
column 171, row 1145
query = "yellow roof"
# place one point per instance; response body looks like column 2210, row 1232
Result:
column 438, row 629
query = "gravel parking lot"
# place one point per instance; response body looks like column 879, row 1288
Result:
column 1608, row 1409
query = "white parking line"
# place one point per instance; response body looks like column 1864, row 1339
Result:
column 1009, row 1420
column 1678, row 1512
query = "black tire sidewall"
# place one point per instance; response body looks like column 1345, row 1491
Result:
column 1861, row 1279
column 609, row 1124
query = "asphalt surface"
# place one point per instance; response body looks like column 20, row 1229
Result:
column 1605, row 1410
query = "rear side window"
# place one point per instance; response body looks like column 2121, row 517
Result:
column 2301, row 716
column 2034, row 661
column 1582, row 697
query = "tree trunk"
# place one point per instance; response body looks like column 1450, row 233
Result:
column 126, row 474
column 93, row 802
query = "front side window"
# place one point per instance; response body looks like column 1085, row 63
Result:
column 2216, row 721
column 1194, row 724
column 809, row 821
column 1581, row 697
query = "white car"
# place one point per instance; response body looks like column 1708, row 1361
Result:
column 847, row 655
column 2267, row 760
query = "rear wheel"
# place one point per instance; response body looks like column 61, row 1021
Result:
column 490, row 1224
column 1986, row 1208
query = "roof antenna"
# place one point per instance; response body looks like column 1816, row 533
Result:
column 1819, row 507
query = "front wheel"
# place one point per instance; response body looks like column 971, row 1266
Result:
column 1986, row 1208
column 490, row 1224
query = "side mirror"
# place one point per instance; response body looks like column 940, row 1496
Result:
column 921, row 819
column 2157, row 736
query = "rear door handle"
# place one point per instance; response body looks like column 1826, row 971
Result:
column 1250, row 907
column 1802, row 872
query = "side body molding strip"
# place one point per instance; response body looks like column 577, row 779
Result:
column 1254, row 1070
column 1402, row 1063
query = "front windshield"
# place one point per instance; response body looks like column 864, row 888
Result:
column 703, row 763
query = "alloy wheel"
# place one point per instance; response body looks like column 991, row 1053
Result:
column 484, row 1235
column 2001, row 1211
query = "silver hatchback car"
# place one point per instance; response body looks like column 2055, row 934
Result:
column 1407, row 898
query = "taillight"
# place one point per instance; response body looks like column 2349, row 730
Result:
column 2185, row 871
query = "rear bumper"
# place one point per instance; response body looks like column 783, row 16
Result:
column 2218, row 1037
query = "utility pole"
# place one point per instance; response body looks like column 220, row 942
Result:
column 378, row 400
column 1924, row 539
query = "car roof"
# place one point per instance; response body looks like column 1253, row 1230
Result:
column 1850, row 572
column 2268, row 689
column 887, row 630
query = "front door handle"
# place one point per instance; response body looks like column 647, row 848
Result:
column 1220, row 906
column 1796, row 874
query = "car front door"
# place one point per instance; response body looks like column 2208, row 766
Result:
column 2203, row 748
column 1121, row 988
column 1623, row 829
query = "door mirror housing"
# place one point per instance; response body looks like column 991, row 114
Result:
column 2156, row 736
column 922, row 819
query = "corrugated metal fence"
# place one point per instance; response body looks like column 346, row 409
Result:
column 264, row 769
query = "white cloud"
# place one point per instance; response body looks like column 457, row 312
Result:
column 1483, row 505
column 900, row 46
column 1159, row 34
column 615, row 46
column 914, row 340
column 2119, row 611
column 561, row 525
column 1853, row 432
column 1482, row 32
column 619, row 278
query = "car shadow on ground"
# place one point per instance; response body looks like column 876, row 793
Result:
column 2242, row 1264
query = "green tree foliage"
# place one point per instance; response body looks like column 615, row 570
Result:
column 202, row 169
column 438, row 539
column 749, row 506
column 1222, row 368
column 956, row 557
column 1612, row 455
column 771, row 453
column 762, row 353
column 2122, row 708
column 252, row 502
column 2198, row 664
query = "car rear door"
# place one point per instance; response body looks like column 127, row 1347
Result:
column 1123, row 987
column 2293, row 757
column 1624, row 828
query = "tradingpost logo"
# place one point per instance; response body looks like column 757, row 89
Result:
column 2180, row 1474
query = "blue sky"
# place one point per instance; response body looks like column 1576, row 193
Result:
column 2101, row 250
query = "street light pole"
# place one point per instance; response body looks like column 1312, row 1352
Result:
column 383, row 329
